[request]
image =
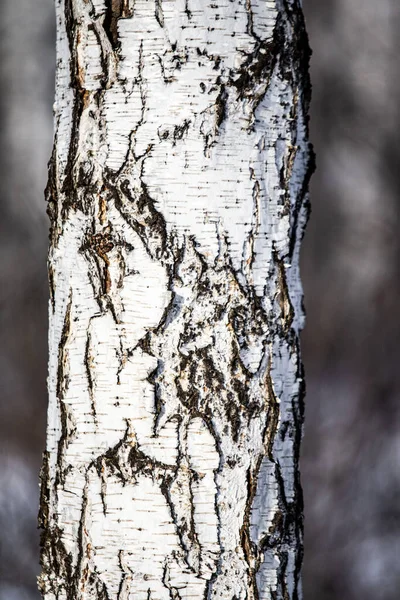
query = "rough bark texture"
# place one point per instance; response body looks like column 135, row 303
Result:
column 177, row 197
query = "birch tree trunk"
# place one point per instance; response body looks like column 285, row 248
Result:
column 178, row 197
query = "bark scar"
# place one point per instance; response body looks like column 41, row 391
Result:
column 115, row 10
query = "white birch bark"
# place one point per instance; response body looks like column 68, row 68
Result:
column 177, row 197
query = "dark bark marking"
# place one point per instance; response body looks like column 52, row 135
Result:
column 296, row 62
column 188, row 12
column 56, row 563
column 173, row 591
column 115, row 10
column 110, row 460
column 159, row 12
column 249, row 548
column 98, row 245
column 66, row 417
column 250, row 20
column 110, row 24
column 102, row 243
column 248, row 263
column 287, row 310
column 219, row 109
column 220, row 106
column 44, row 503
column 126, row 573
column 81, row 98
column 72, row 31
column 180, row 131
column 96, row 248
column 88, row 368
column 273, row 413
column 138, row 210
column 302, row 202
column 82, row 568
column 52, row 286
column 259, row 65
column 166, row 78
column 51, row 196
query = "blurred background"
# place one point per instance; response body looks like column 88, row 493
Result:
column 350, row 268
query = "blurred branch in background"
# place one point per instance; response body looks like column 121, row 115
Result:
column 351, row 278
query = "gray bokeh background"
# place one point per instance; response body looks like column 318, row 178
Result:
column 350, row 266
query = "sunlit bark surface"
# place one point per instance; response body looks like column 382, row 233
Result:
column 177, row 197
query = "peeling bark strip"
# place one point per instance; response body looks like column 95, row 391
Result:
column 178, row 198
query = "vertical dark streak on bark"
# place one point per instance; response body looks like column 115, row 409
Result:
column 281, row 576
column 173, row 592
column 71, row 30
column 82, row 570
column 217, row 508
column 52, row 286
column 105, row 80
column 123, row 592
column 253, row 233
column 298, row 503
column 141, row 87
column 102, row 243
column 113, row 14
column 273, row 412
column 159, row 12
column 183, row 527
column 69, row 186
column 249, row 548
column 95, row 248
column 62, row 388
column 187, row 10
column 192, row 534
column 122, row 356
column 287, row 533
column 158, row 403
column 88, row 368
column 286, row 171
column 250, row 21
column 100, row 466
column 52, row 199
column 287, row 310
column 220, row 106
column 297, row 60
column 44, row 504
column 302, row 202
